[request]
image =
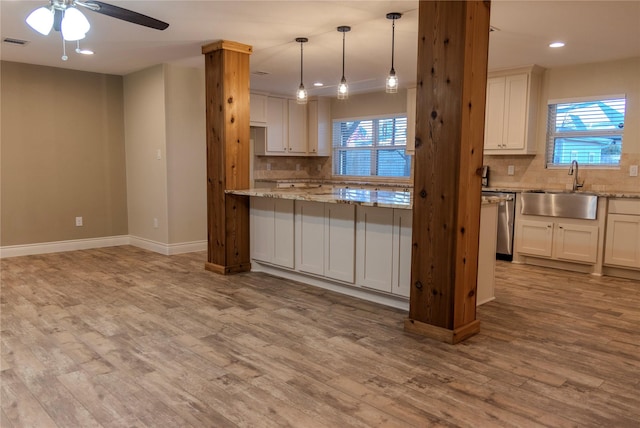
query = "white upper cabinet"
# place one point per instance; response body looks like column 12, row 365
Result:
column 511, row 112
column 297, row 128
column 258, row 110
column 319, row 127
column 286, row 129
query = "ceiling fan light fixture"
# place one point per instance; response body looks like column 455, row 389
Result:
column 391, row 86
column 74, row 25
column 41, row 20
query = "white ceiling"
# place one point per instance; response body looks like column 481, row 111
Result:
column 592, row 30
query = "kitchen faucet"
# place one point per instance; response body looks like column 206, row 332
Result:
column 576, row 185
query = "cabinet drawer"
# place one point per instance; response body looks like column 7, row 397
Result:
column 624, row 206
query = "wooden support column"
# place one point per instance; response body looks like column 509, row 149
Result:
column 227, row 96
column 453, row 44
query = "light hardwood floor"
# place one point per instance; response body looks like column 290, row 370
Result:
column 123, row 337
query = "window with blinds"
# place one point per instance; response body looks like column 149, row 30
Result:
column 371, row 147
column 589, row 132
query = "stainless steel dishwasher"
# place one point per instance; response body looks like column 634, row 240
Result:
column 506, row 215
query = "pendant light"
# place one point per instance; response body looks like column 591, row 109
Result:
column 301, row 95
column 392, row 79
column 343, row 89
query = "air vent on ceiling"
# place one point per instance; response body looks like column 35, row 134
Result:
column 15, row 42
column 259, row 73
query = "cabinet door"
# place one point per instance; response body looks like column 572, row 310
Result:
column 277, row 126
column 339, row 241
column 576, row 242
column 622, row 247
column 297, row 129
column 283, row 247
column 309, row 237
column 401, row 280
column 319, row 127
column 262, row 228
column 258, row 110
column 515, row 111
column 494, row 115
column 534, row 238
column 374, row 247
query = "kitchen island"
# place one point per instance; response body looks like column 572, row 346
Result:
column 353, row 241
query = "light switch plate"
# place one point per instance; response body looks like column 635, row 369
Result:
column 78, row 221
column 633, row 171
column 511, row 170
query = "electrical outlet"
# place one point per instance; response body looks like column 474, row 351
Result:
column 633, row 171
column 511, row 170
column 155, row 223
column 268, row 166
column 78, row 221
column 319, row 168
column 159, row 154
column 297, row 167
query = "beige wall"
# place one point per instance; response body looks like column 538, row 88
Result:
column 599, row 79
column 367, row 105
column 186, row 154
column 63, row 155
column 145, row 136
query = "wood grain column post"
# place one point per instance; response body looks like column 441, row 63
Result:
column 227, row 96
column 453, row 44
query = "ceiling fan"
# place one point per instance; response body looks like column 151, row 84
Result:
column 64, row 16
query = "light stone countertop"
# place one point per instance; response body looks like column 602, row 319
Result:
column 604, row 194
column 343, row 195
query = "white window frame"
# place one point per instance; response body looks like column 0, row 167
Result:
column 552, row 134
column 375, row 148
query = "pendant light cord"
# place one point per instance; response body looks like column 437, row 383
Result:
column 343, row 45
column 301, row 62
column 393, row 41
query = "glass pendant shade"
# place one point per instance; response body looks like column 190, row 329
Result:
column 74, row 25
column 392, row 82
column 301, row 95
column 343, row 89
column 41, row 20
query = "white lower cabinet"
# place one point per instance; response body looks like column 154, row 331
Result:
column 339, row 242
column 558, row 240
column 272, row 231
column 622, row 246
column 309, row 228
column 383, row 249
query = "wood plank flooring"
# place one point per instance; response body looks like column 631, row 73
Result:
column 122, row 337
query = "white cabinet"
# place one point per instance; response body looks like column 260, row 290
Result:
column 622, row 246
column 339, row 242
column 286, row 129
column 258, row 110
column 558, row 239
column 296, row 128
column 277, row 127
column 411, row 121
column 319, row 127
column 309, row 237
column 272, row 230
column 511, row 112
column 383, row 249
column 401, row 278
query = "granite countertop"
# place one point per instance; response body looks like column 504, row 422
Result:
column 338, row 194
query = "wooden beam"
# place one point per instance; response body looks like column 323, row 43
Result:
column 227, row 97
column 453, row 42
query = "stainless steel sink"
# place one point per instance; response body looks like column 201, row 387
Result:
column 560, row 204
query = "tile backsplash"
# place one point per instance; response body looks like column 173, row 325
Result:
column 530, row 172
column 286, row 167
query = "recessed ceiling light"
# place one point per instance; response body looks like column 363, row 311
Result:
column 318, row 84
column 84, row 51
column 556, row 45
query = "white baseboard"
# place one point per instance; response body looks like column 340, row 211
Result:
column 168, row 249
column 109, row 241
column 61, row 246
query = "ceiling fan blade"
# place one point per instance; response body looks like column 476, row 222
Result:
column 124, row 14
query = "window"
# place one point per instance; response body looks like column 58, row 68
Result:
column 371, row 147
column 589, row 132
